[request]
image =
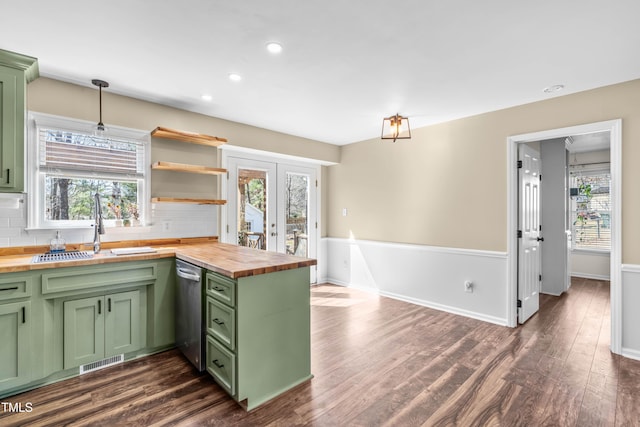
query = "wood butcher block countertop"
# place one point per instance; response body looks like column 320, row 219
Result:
column 229, row 260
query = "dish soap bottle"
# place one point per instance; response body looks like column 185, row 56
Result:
column 57, row 244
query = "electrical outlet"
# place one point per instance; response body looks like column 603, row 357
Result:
column 166, row 225
column 468, row 286
column 344, row 211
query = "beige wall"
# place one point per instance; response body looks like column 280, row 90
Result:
column 447, row 186
column 69, row 100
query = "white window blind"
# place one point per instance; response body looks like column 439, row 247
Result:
column 66, row 151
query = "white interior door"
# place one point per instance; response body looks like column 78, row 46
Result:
column 529, row 233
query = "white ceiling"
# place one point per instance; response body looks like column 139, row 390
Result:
column 345, row 64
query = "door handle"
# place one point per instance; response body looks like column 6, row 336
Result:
column 540, row 239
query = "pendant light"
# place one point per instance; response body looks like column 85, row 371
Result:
column 99, row 129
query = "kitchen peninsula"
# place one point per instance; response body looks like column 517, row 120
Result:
column 55, row 309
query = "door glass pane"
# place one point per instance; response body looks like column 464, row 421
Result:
column 252, row 208
column 297, row 214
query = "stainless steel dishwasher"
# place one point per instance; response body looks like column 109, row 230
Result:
column 190, row 323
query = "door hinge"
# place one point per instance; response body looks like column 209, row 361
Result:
column 316, row 183
column 540, row 178
column 540, row 277
column 316, row 225
column 519, row 304
column 227, row 174
column 519, row 164
column 519, row 234
column 227, row 228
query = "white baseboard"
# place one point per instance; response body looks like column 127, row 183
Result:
column 630, row 281
column 425, row 275
column 590, row 276
column 631, row 353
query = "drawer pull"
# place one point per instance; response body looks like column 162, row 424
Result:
column 218, row 364
column 99, row 306
column 218, row 321
column 24, row 315
column 8, row 180
column 218, row 289
column 9, row 289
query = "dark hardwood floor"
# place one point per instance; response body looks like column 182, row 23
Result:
column 379, row 361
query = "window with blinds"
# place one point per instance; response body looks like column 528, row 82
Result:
column 591, row 208
column 64, row 150
column 72, row 165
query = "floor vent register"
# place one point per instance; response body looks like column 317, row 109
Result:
column 100, row 364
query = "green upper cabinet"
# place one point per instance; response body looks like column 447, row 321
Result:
column 15, row 72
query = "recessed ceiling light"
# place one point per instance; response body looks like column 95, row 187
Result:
column 207, row 97
column 554, row 88
column 235, row 77
column 274, row 47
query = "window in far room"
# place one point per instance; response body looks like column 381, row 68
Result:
column 69, row 165
column 590, row 205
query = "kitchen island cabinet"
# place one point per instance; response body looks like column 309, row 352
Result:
column 258, row 333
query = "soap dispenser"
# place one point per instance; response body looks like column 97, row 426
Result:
column 57, row 244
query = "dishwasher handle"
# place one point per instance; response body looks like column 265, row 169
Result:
column 187, row 274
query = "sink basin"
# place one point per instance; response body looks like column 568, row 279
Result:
column 62, row 256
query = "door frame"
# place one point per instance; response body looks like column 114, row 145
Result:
column 614, row 127
column 282, row 159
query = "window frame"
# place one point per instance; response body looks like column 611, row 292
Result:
column 36, row 219
column 602, row 168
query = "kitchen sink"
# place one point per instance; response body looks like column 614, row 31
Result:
column 62, row 256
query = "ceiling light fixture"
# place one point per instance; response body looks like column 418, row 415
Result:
column 396, row 127
column 552, row 89
column 99, row 129
column 206, row 97
column 235, row 77
column 274, row 47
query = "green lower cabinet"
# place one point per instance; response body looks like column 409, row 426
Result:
column 15, row 336
column 221, row 364
column 258, row 334
column 102, row 326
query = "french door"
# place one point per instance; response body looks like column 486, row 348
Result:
column 271, row 206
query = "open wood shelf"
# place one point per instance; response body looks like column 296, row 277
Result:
column 181, row 167
column 184, row 136
column 192, row 201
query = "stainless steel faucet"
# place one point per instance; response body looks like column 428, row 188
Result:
column 99, row 225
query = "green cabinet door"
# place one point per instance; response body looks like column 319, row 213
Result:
column 99, row 327
column 11, row 129
column 83, row 331
column 16, row 71
column 122, row 323
column 15, row 336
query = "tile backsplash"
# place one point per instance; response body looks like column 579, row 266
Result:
column 167, row 220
